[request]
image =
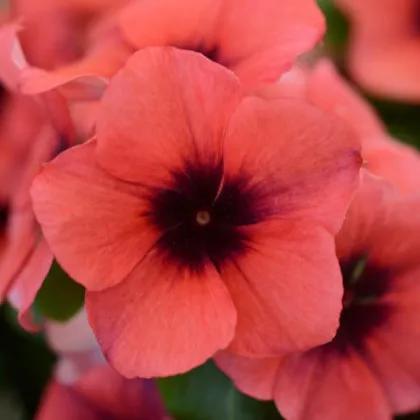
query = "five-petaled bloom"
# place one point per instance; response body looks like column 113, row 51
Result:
column 196, row 213
column 370, row 369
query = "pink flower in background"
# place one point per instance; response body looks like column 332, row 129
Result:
column 196, row 212
column 324, row 88
column 85, row 388
column 32, row 131
column 100, row 394
column 26, row 141
column 384, row 51
column 257, row 40
column 370, row 370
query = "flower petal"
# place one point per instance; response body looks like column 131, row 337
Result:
column 92, row 221
column 392, row 349
column 368, row 213
column 255, row 377
column 119, row 397
column 302, row 162
column 164, row 22
column 28, row 282
column 84, row 79
column 329, row 92
column 397, row 162
column 162, row 320
column 260, row 40
column 172, row 103
column 287, row 289
column 396, row 245
column 65, row 403
column 329, row 385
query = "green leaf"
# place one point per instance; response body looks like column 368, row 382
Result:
column 337, row 34
column 27, row 363
column 60, row 297
column 205, row 393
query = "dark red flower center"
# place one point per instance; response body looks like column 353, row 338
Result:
column 200, row 215
column 4, row 216
column 364, row 284
column 211, row 52
column 416, row 17
column 3, row 97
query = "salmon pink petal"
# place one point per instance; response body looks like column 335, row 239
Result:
column 165, row 22
column 111, row 235
column 289, row 282
column 329, row 385
column 391, row 350
column 397, row 244
column 21, row 242
column 119, row 397
column 260, row 40
column 12, row 58
column 172, row 103
column 388, row 69
column 328, row 91
column 397, row 162
column 29, row 281
column 304, row 163
column 255, row 377
column 366, row 216
column 383, row 50
column 75, row 84
column 85, row 79
column 61, row 402
column 146, row 323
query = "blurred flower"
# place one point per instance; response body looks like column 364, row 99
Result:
column 384, row 51
column 257, row 40
column 32, row 131
column 324, row 88
column 371, row 368
column 196, row 213
column 26, row 141
column 85, row 388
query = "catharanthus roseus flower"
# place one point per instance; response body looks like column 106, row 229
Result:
column 384, row 51
column 26, row 141
column 324, row 88
column 84, row 387
column 196, row 212
column 257, row 40
column 101, row 393
column 370, row 369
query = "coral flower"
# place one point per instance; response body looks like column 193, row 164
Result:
column 257, row 40
column 26, row 141
column 384, row 51
column 101, row 394
column 324, row 88
column 195, row 212
column 371, row 369
column 85, row 388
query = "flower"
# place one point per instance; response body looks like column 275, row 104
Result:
column 370, row 369
column 324, row 88
column 180, row 215
column 257, row 40
column 384, row 47
column 101, row 393
column 84, row 387
column 26, row 141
